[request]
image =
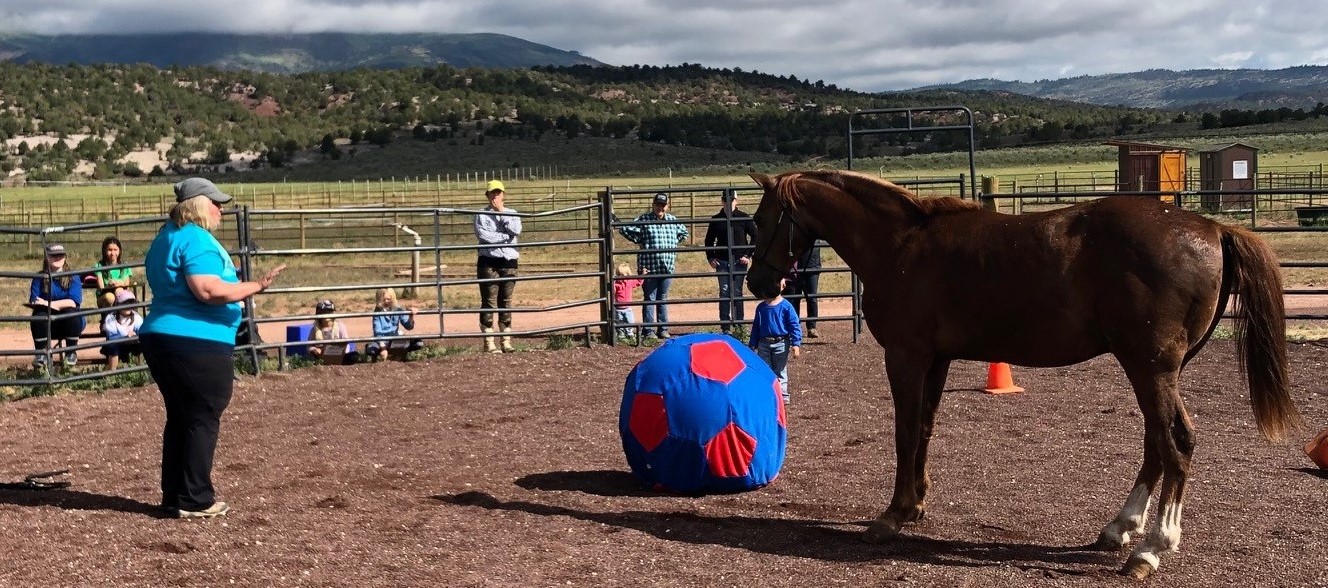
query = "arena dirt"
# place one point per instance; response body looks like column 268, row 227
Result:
column 506, row 470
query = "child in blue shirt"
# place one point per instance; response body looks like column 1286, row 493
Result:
column 388, row 320
column 775, row 332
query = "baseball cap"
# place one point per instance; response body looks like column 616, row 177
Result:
column 124, row 296
column 661, row 198
column 729, row 195
column 325, row 307
column 495, row 185
column 55, row 249
column 192, row 187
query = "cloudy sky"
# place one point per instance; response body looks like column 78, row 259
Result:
column 865, row 45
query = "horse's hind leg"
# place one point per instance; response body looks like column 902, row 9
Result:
column 1133, row 517
column 1169, row 443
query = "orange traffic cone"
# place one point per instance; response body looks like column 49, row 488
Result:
column 1317, row 449
column 999, row 380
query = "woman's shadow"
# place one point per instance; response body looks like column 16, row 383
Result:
column 67, row 499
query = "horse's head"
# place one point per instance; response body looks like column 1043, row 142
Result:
column 781, row 238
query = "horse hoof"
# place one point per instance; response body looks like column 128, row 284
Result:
column 881, row 531
column 1137, row 568
column 1106, row 542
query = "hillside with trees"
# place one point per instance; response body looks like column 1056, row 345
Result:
column 87, row 120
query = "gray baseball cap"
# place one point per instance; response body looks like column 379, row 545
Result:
column 191, row 187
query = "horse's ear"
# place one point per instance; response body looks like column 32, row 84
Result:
column 763, row 180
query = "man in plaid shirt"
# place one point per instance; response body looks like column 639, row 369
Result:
column 657, row 267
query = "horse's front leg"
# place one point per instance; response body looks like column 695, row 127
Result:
column 906, row 375
column 932, row 387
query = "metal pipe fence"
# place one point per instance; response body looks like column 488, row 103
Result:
column 347, row 253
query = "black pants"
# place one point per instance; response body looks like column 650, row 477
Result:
column 196, row 379
column 804, row 286
column 63, row 327
column 495, row 294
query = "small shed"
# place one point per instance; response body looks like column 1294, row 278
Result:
column 1231, row 166
column 1148, row 167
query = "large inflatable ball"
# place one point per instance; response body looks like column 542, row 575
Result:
column 702, row 413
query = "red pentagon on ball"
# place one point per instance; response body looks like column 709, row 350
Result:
column 649, row 421
column 715, row 360
column 729, row 453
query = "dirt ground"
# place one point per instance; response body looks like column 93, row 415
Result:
column 507, row 470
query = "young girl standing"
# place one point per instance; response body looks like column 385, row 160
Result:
column 623, row 284
column 775, row 334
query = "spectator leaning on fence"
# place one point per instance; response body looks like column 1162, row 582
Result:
column 662, row 231
column 188, row 339
column 805, row 283
column 497, row 233
column 734, row 230
column 52, row 299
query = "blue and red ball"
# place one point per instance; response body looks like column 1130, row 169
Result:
column 703, row 413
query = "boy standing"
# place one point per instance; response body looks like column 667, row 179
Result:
column 775, row 334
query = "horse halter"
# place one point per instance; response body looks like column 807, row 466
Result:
column 784, row 212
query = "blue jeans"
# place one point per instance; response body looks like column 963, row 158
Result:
column 623, row 316
column 776, row 355
column 730, row 285
column 656, row 289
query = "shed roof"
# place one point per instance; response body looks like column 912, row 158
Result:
column 1225, row 146
column 1150, row 146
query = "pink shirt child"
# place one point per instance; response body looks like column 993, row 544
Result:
column 622, row 289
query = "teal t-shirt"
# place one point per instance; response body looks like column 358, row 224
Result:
column 178, row 252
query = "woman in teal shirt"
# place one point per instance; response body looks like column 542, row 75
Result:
column 188, row 339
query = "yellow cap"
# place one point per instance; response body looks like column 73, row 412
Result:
column 495, row 185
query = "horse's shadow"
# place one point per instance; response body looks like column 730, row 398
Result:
column 67, row 499
column 838, row 541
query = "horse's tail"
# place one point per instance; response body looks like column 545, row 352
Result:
column 1254, row 276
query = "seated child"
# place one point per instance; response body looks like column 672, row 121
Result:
column 622, row 294
column 775, row 333
column 389, row 318
column 330, row 328
column 119, row 325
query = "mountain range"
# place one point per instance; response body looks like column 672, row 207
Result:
column 289, row 53
column 1196, row 89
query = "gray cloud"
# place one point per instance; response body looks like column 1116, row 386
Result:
column 861, row 44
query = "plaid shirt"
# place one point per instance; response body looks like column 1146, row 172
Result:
column 660, row 234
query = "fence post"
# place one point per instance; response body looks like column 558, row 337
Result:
column 990, row 185
column 302, row 246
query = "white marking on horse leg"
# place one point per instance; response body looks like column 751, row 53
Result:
column 1165, row 537
column 1131, row 518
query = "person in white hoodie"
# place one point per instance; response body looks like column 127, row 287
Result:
column 120, row 325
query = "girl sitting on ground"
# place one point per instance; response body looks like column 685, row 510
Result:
column 388, row 320
column 119, row 325
column 326, row 328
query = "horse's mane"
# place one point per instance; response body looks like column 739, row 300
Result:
column 794, row 187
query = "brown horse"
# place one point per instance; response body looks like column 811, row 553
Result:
column 944, row 279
